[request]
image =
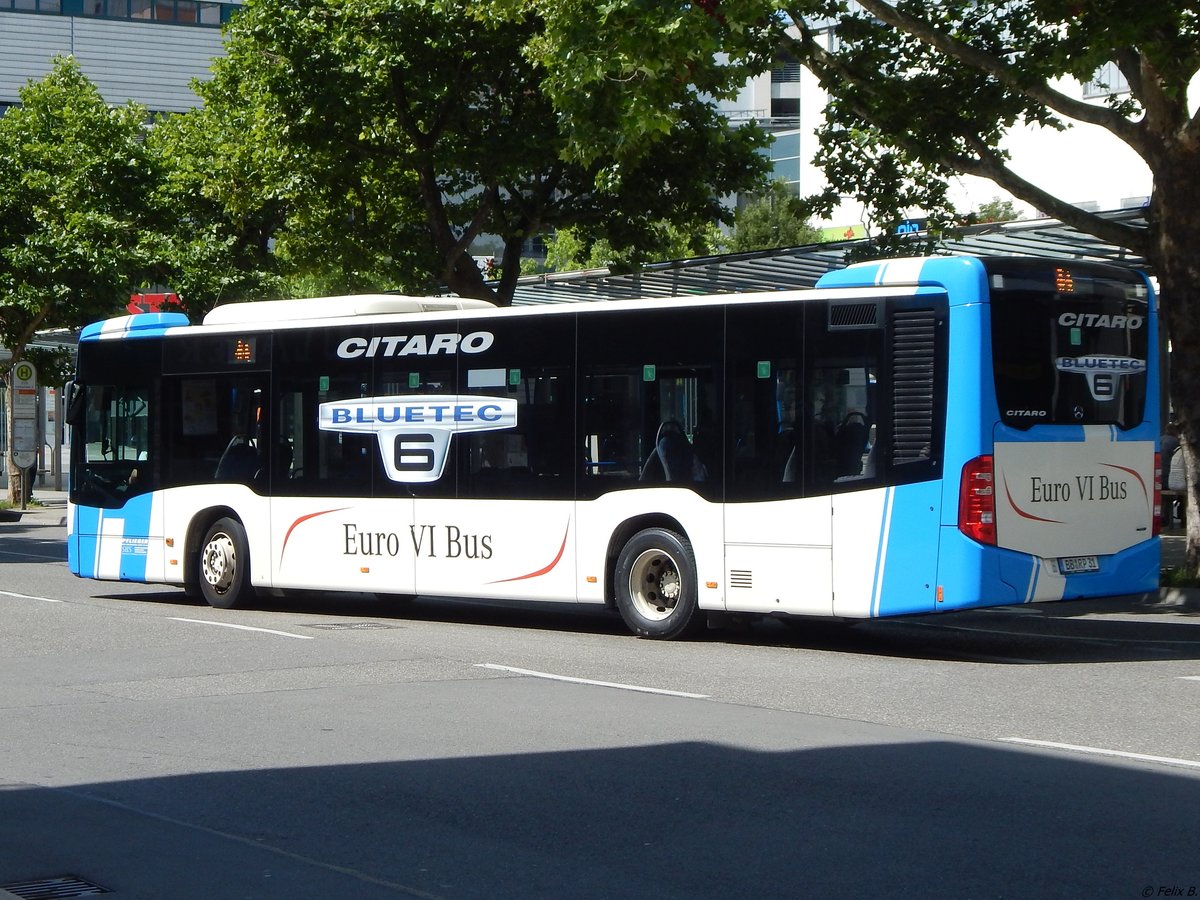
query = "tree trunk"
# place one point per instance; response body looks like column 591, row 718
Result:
column 1178, row 266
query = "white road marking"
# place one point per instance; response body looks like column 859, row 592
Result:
column 299, row 637
column 609, row 684
column 28, row 597
column 1099, row 751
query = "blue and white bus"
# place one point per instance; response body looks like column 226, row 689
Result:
column 909, row 437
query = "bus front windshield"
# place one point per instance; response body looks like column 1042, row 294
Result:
column 111, row 444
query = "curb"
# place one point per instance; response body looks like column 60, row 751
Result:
column 1185, row 599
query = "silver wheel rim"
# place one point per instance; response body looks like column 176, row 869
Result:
column 218, row 563
column 655, row 585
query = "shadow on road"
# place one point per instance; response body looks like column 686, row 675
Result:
column 677, row 820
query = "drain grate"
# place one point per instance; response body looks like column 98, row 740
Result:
column 53, row 888
column 350, row 626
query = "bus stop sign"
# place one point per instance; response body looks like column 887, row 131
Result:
column 23, row 389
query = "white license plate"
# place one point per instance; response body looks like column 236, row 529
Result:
column 1070, row 565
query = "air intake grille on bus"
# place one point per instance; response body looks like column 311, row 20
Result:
column 853, row 315
column 913, row 355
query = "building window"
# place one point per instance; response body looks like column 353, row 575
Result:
column 1107, row 82
column 786, row 70
column 785, row 159
column 184, row 12
column 786, row 108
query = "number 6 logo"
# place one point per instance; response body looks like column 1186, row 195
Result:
column 414, row 431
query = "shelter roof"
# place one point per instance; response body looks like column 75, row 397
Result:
column 800, row 267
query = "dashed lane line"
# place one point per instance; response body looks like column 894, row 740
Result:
column 299, row 637
column 1100, row 751
column 608, row 684
column 28, row 597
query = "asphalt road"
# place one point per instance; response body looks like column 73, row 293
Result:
column 325, row 748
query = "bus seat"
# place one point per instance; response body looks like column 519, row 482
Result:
column 850, row 441
column 239, row 462
column 672, row 459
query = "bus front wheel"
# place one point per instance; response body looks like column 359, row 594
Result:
column 225, row 565
column 655, row 582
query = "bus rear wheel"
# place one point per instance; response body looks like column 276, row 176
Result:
column 655, row 582
column 225, row 565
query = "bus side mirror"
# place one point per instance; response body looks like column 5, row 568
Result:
column 74, row 403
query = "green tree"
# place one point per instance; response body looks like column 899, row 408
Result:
column 569, row 249
column 772, row 218
column 921, row 90
column 408, row 128
column 215, row 207
column 995, row 210
column 75, row 180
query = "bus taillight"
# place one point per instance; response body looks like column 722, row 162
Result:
column 977, row 501
column 1158, row 483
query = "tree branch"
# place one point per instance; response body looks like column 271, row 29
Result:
column 988, row 164
column 996, row 67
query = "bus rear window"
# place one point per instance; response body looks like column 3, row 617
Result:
column 1069, row 345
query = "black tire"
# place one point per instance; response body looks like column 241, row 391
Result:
column 224, row 565
column 655, row 585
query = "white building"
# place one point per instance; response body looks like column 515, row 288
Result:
column 148, row 51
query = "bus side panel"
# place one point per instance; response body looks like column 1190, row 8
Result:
column 970, row 574
column 495, row 548
column 338, row 544
column 779, row 557
column 884, row 562
column 122, row 544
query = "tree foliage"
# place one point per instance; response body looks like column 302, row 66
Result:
column 408, row 128
column 216, row 206
column 567, row 250
column 994, row 210
column 771, row 218
column 75, row 183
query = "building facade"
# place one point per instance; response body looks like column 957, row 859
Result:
column 148, row 51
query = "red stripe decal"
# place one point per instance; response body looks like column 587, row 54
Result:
column 544, row 569
column 1022, row 513
column 1141, row 481
column 304, row 519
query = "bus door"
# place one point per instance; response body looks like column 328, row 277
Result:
column 887, row 389
column 778, row 524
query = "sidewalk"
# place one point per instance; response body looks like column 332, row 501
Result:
column 48, row 508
